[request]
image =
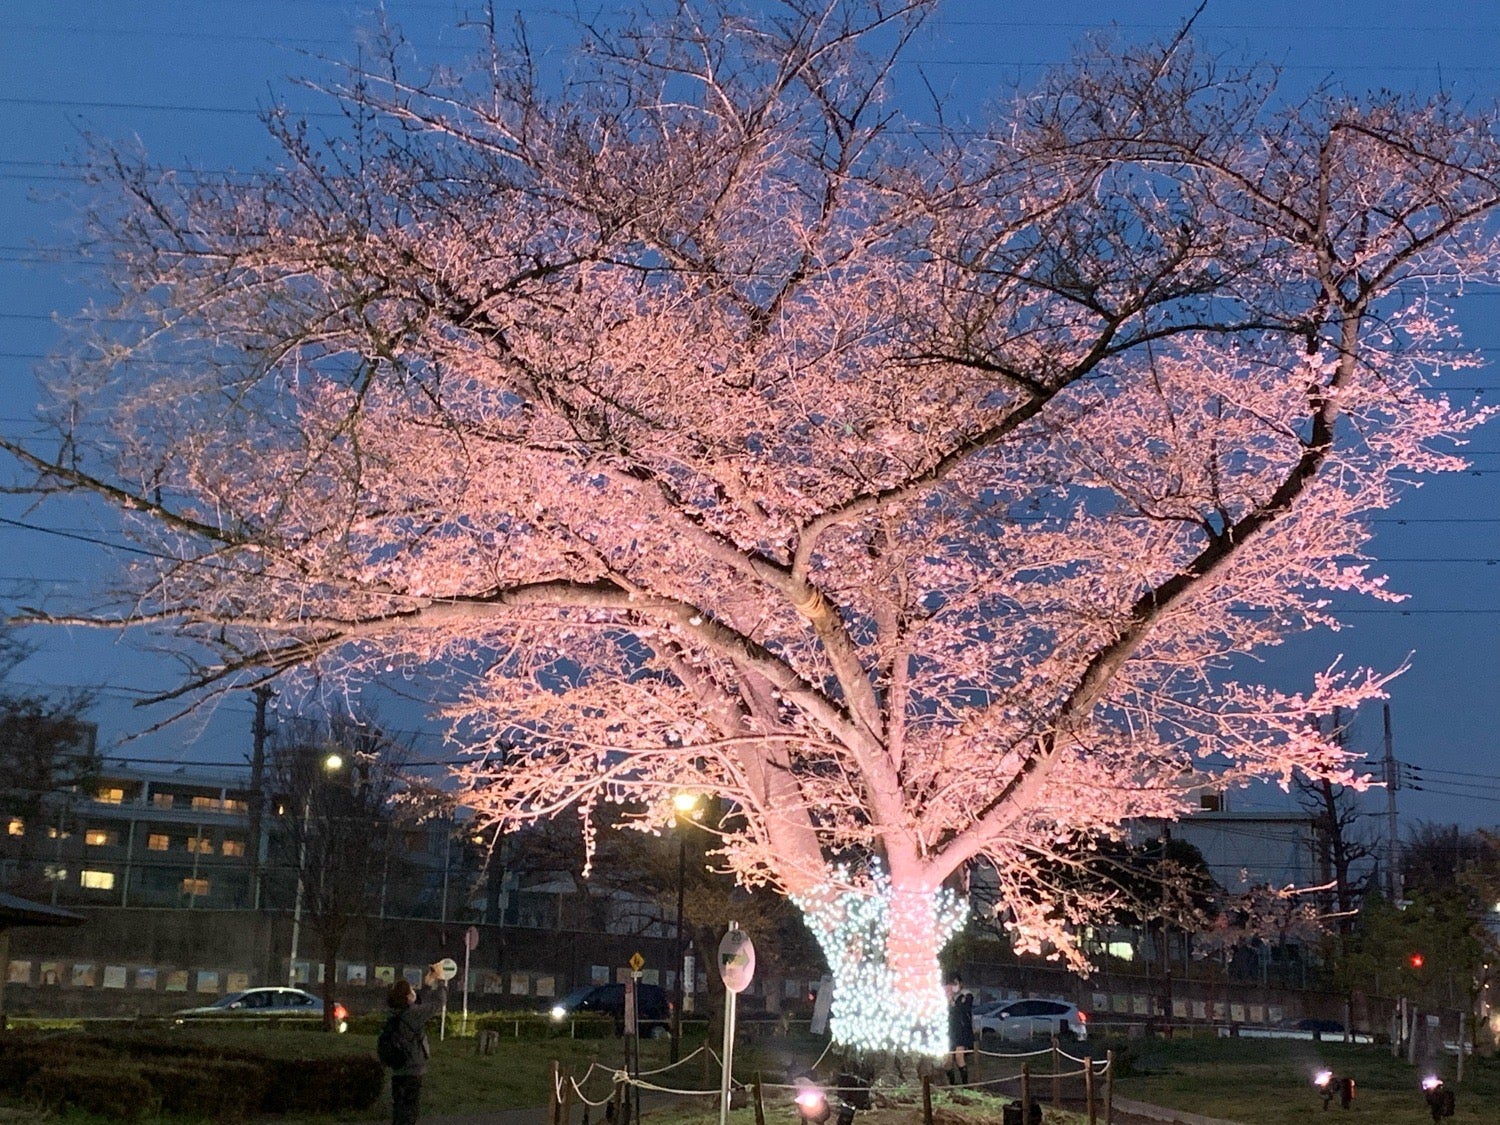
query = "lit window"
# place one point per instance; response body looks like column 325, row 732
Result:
column 205, row 804
column 110, row 795
column 100, row 837
column 200, row 844
column 232, row 805
column 191, row 886
column 18, row 828
column 234, row 847
column 97, row 880
column 162, row 800
column 158, row 841
column 53, row 833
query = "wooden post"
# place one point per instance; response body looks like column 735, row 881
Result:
column 1109, row 1088
column 760, row 1106
column 1026, row 1092
column 1088, row 1088
column 567, row 1097
column 552, row 1093
column 615, row 1103
column 926, row 1099
column 1056, row 1075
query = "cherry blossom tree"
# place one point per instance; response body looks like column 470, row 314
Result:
column 713, row 424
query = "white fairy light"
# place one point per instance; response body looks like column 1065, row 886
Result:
column 882, row 946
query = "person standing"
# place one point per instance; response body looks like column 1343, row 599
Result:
column 403, row 1044
column 960, row 1030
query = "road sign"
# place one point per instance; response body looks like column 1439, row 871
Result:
column 637, row 962
column 471, row 937
column 447, row 968
column 737, row 960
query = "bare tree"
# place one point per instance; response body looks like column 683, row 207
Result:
column 722, row 429
column 338, row 784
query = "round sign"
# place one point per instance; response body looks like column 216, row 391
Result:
column 736, row 960
column 447, row 968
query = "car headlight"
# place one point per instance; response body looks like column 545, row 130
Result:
column 559, row 1012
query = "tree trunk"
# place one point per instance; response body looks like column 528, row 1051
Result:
column 882, row 944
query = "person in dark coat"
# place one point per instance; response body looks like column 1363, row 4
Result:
column 412, row 1009
column 960, row 1030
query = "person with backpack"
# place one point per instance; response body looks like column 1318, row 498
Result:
column 403, row 1045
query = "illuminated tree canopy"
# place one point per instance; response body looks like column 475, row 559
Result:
column 716, row 425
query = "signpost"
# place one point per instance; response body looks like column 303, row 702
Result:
column 737, row 969
column 471, row 940
column 447, row 968
column 633, row 1031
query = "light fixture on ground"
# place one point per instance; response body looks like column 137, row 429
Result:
column 1439, row 1099
column 1334, row 1087
column 812, row 1105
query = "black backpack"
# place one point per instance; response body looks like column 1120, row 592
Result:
column 397, row 1046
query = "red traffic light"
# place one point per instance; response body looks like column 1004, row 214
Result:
column 1416, row 960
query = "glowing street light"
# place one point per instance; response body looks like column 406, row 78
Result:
column 332, row 762
column 685, row 805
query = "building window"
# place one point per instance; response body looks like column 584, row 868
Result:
column 100, row 838
column 97, row 880
column 163, row 800
column 201, row 844
column 17, row 826
column 53, row 832
column 234, row 847
column 197, row 887
column 207, row 804
column 233, row 805
column 159, row 842
column 110, row 795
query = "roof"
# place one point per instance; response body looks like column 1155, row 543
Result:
column 16, row 911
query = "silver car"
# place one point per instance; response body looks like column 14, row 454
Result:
column 266, row 1003
column 1028, row 1018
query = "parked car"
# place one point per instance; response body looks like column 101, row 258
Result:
column 266, row 1003
column 1025, row 1018
column 653, row 1009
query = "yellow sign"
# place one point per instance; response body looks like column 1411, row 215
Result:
column 637, row 962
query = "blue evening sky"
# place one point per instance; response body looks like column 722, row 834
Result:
column 188, row 80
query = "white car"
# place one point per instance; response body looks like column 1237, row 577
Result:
column 1027, row 1018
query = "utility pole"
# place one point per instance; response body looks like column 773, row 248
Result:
column 1392, row 840
column 258, row 836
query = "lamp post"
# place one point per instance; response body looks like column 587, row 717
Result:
column 332, row 763
column 685, row 805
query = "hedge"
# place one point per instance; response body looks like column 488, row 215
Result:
column 109, row 1088
column 128, row 1075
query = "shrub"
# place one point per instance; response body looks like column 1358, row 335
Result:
column 326, row 1085
column 113, row 1090
column 218, row 1089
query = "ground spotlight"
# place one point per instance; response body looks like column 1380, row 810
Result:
column 812, row 1105
column 1438, row 1097
column 1334, row 1087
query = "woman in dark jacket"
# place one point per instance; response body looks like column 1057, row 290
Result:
column 410, row 1011
column 960, row 1030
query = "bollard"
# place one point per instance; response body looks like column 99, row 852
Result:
column 926, row 1099
column 1088, row 1087
column 566, row 1112
column 1056, row 1075
column 1026, row 1091
column 552, row 1093
column 760, row 1106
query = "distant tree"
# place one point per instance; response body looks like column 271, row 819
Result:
column 1436, row 857
column 909, row 487
column 46, row 749
column 338, row 784
column 1429, row 949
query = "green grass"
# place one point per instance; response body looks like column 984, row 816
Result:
column 1269, row 1082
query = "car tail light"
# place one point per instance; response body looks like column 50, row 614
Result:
column 1083, row 1017
column 340, row 1012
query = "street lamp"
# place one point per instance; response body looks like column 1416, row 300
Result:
column 683, row 805
column 331, row 763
